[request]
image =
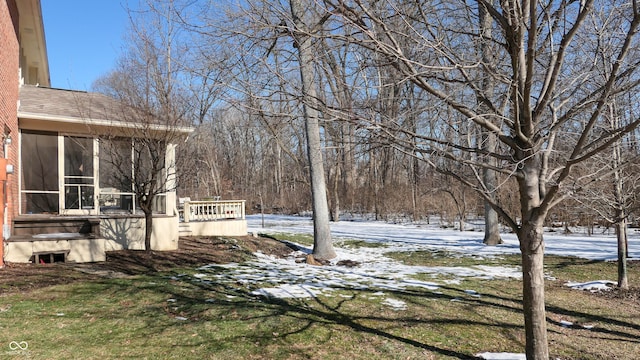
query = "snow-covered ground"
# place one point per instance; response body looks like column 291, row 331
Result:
column 380, row 274
column 408, row 237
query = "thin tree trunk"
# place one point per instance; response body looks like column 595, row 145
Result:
column 415, row 178
column 349, row 173
column 491, row 223
column 322, row 243
column 148, row 228
column 491, row 220
column 621, row 222
column 278, row 174
column 621, row 230
column 335, row 189
column 376, row 185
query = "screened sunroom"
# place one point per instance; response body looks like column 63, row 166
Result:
column 78, row 175
column 77, row 168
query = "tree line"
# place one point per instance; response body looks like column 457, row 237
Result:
column 523, row 111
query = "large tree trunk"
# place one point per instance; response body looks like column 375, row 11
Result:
column 530, row 236
column 491, row 226
column 535, row 322
column 322, row 243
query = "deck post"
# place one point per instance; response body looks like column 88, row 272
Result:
column 186, row 211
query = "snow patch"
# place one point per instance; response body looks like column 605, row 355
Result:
column 593, row 286
column 566, row 323
column 501, row 356
column 395, row 304
column 289, row 291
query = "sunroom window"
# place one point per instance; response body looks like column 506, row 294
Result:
column 62, row 174
column 116, row 176
column 121, row 161
column 39, row 176
column 78, row 173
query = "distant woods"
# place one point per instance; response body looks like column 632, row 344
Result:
column 393, row 146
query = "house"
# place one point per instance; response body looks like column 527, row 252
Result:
column 63, row 202
column 71, row 204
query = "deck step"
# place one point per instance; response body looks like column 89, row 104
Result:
column 184, row 229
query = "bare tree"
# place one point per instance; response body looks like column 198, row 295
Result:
column 151, row 110
column 302, row 28
column 613, row 193
column 138, row 157
column 489, row 142
column 544, row 78
column 259, row 71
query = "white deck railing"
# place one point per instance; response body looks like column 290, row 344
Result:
column 212, row 210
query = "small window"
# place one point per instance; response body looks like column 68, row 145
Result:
column 114, row 202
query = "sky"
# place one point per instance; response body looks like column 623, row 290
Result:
column 382, row 276
column 84, row 39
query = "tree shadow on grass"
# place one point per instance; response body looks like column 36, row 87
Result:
column 192, row 252
column 277, row 313
column 314, row 311
column 278, row 322
column 236, row 300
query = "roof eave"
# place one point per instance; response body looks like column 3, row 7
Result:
column 104, row 123
column 31, row 22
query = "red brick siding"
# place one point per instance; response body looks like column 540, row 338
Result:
column 9, row 65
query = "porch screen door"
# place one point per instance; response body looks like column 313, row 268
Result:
column 79, row 176
column 39, row 170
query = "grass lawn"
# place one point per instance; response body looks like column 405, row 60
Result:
column 172, row 314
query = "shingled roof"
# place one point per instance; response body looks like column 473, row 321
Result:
column 80, row 107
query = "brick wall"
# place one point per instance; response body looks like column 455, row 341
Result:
column 9, row 64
